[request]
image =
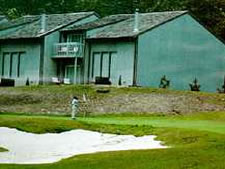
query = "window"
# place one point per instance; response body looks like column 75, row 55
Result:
column 5, row 64
column 96, row 64
column 101, row 64
column 18, row 65
column 69, row 73
column 75, row 38
column 11, row 64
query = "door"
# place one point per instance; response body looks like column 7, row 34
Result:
column 13, row 65
column 69, row 73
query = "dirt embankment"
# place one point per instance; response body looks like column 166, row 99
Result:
column 42, row 101
column 155, row 103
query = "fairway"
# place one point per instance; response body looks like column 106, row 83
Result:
column 201, row 125
column 196, row 142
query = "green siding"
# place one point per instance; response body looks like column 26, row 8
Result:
column 50, row 66
column 29, row 61
column 122, row 61
column 86, row 63
column 182, row 50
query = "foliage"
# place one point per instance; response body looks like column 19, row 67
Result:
column 3, row 149
column 164, row 83
column 223, row 87
column 195, row 86
column 13, row 13
column 120, row 81
column 209, row 12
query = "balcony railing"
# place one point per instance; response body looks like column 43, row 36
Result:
column 68, row 50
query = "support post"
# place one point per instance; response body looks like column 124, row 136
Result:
column 75, row 71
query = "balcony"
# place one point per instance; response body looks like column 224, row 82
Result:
column 68, row 50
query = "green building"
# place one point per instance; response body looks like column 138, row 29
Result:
column 127, row 49
column 30, row 44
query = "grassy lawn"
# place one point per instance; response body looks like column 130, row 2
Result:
column 212, row 122
column 197, row 142
column 45, row 124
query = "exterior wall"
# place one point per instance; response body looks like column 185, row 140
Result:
column 122, row 60
column 50, row 64
column 86, row 64
column 182, row 50
column 29, row 61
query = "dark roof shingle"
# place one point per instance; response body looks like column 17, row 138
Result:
column 125, row 28
column 2, row 17
column 100, row 22
column 30, row 26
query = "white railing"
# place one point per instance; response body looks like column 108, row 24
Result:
column 69, row 49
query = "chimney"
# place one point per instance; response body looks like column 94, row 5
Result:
column 43, row 23
column 136, row 20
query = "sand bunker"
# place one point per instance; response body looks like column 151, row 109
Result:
column 28, row 148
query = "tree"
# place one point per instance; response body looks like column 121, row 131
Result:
column 210, row 12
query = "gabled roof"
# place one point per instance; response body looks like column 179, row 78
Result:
column 2, row 17
column 19, row 22
column 112, row 19
column 146, row 22
column 30, row 26
column 3, row 20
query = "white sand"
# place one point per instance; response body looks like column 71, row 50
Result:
column 28, row 148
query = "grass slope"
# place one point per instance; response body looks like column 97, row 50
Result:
column 191, row 148
column 55, row 99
